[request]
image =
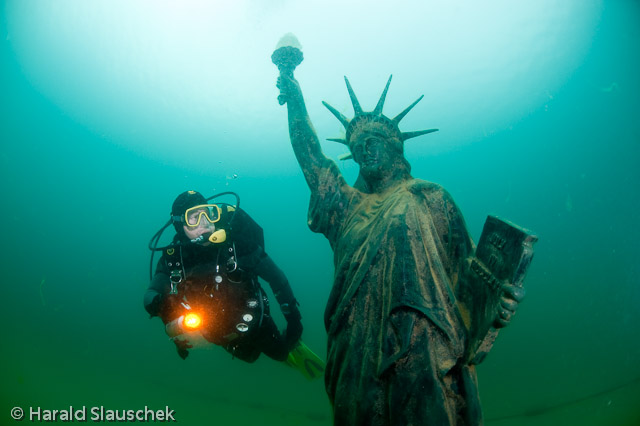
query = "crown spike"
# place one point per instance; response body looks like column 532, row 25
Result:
column 338, row 114
column 378, row 110
column 400, row 116
column 409, row 135
column 339, row 140
column 346, row 156
column 354, row 101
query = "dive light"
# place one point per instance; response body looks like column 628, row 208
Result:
column 183, row 324
column 186, row 329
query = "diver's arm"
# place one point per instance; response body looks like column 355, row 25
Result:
column 159, row 287
column 269, row 271
column 272, row 274
column 304, row 139
column 153, row 298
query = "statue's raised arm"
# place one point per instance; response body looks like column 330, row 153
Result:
column 306, row 146
column 304, row 139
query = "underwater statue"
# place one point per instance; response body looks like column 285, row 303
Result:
column 413, row 306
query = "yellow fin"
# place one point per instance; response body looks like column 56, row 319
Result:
column 305, row 361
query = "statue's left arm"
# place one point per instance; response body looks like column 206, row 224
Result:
column 461, row 248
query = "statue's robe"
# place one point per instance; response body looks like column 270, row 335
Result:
column 397, row 340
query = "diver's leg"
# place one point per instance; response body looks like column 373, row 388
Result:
column 269, row 340
column 245, row 351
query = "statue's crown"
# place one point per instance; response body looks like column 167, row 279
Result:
column 363, row 120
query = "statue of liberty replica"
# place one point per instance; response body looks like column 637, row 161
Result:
column 414, row 306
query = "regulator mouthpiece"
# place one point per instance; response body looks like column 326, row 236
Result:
column 220, row 236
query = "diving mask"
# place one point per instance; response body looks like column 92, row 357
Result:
column 193, row 216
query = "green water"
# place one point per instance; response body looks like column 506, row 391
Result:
column 96, row 145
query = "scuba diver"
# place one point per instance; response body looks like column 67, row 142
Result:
column 206, row 289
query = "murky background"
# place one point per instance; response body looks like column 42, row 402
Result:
column 109, row 109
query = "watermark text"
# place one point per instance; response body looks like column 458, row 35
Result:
column 92, row 414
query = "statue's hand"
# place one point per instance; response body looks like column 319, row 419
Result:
column 290, row 91
column 509, row 300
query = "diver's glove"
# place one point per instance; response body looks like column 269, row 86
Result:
column 182, row 346
column 183, row 353
column 294, row 322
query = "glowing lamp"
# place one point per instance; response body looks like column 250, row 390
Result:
column 192, row 321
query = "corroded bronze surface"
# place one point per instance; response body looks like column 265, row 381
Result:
column 410, row 304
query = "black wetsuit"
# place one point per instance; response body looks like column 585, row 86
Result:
column 251, row 261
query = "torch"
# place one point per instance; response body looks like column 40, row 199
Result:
column 183, row 324
column 287, row 56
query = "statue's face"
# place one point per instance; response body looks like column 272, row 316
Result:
column 373, row 153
